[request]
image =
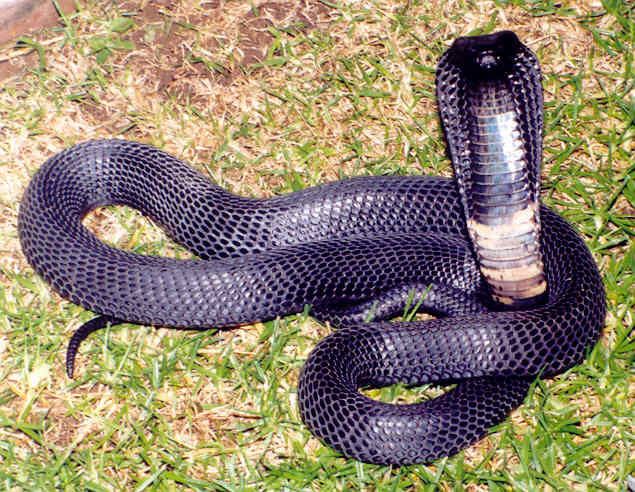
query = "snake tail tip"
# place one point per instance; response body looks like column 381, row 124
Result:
column 70, row 366
column 81, row 334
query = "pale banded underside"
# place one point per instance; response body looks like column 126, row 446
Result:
column 504, row 223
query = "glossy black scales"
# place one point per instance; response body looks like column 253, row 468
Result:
column 349, row 249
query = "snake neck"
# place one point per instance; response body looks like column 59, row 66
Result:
column 490, row 101
column 503, row 222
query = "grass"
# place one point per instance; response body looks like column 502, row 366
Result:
column 163, row 409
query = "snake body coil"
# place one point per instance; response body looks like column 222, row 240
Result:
column 347, row 249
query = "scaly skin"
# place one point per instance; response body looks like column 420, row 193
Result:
column 337, row 247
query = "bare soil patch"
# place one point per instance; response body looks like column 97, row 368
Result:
column 216, row 42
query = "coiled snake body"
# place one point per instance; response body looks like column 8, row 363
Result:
column 349, row 249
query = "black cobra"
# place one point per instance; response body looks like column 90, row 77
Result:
column 352, row 249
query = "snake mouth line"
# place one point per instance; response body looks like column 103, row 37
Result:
column 486, row 86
